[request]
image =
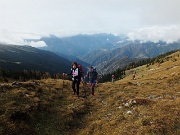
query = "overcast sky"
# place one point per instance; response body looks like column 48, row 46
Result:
column 139, row 19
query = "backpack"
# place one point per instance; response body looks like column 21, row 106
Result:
column 94, row 69
column 81, row 69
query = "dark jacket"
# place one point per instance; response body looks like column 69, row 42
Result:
column 92, row 75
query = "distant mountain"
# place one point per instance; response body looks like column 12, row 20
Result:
column 103, row 50
column 81, row 45
column 29, row 58
column 108, row 61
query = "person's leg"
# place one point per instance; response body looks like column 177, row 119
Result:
column 94, row 83
column 73, row 86
column 92, row 86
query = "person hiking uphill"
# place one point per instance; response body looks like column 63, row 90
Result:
column 92, row 76
column 113, row 78
column 76, row 78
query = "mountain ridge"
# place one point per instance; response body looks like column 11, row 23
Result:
column 14, row 57
column 132, row 52
column 102, row 50
column 95, row 42
column 80, row 45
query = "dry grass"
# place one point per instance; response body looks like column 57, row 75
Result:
column 149, row 105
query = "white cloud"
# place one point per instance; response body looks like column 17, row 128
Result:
column 168, row 34
column 66, row 17
column 36, row 44
column 18, row 38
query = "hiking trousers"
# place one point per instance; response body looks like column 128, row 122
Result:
column 75, row 87
column 92, row 84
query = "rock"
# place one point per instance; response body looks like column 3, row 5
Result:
column 129, row 112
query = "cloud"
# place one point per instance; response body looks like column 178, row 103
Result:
column 160, row 12
column 36, row 44
column 168, row 34
column 18, row 38
column 87, row 16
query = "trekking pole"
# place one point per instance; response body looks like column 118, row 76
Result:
column 84, row 89
column 63, row 83
column 97, row 87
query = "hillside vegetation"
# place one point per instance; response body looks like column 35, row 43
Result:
column 149, row 104
column 19, row 58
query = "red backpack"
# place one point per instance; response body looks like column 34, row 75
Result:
column 81, row 69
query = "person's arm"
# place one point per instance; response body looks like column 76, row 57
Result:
column 65, row 74
column 86, row 75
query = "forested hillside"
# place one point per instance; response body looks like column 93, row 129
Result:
column 13, row 57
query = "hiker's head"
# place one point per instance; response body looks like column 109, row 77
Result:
column 74, row 64
column 91, row 68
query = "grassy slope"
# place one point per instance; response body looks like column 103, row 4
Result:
column 147, row 105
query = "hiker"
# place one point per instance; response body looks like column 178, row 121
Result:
column 113, row 78
column 76, row 78
column 92, row 76
column 134, row 76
